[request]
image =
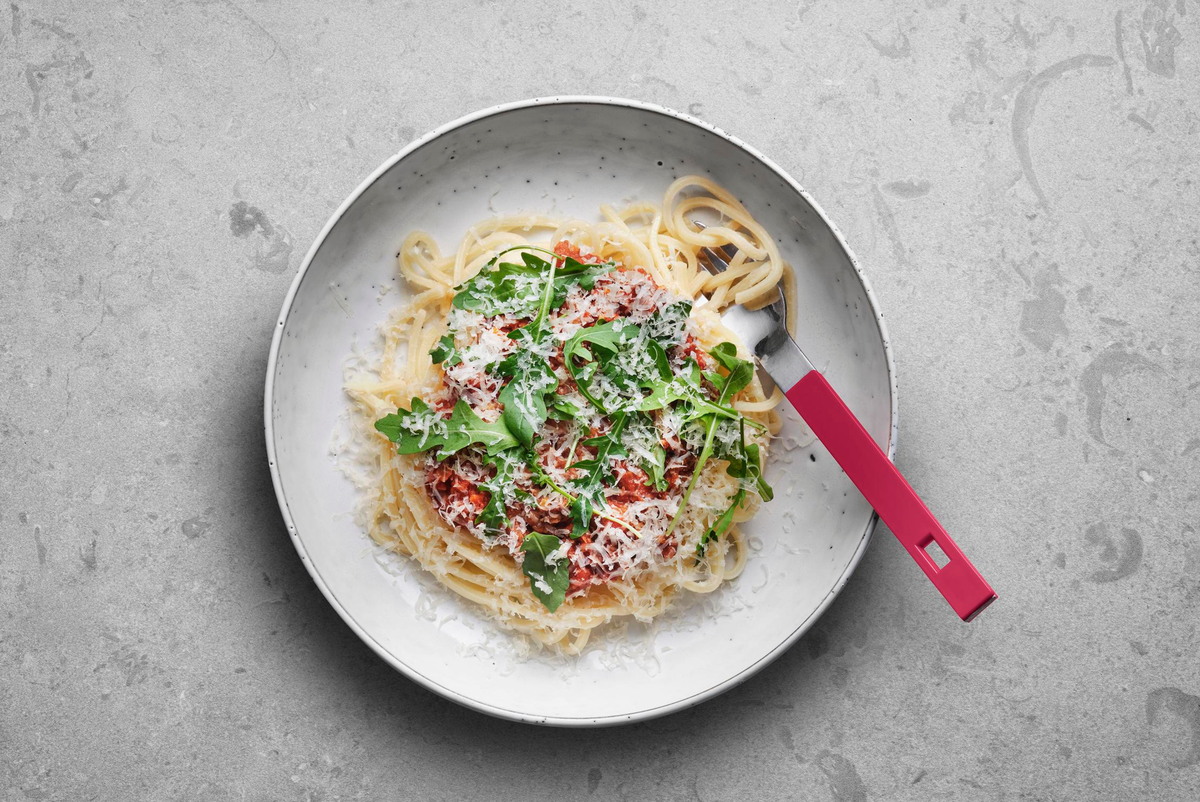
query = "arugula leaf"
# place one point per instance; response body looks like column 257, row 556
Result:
column 587, row 279
column 745, row 463
column 421, row 429
column 562, row 410
column 726, row 354
column 582, row 509
column 622, row 348
column 467, row 428
column 661, row 361
column 586, row 273
column 684, row 387
column 417, row 430
column 656, row 467
column 524, row 397
column 494, row 515
column 503, row 289
column 754, row 471
column 597, row 345
column 444, row 352
column 573, row 267
column 741, row 372
column 617, row 350
column 638, row 366
column 548, row 580
column 642, row 438
column 510, row 288
column 668, row 324
column 722, row 524
column 610, row 337
column 543, row 479
column 531, row 377
column 597, row 472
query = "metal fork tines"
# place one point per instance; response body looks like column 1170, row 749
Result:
column 854, row 449
column 763, row 330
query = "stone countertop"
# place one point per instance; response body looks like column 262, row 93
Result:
column 1020, row 183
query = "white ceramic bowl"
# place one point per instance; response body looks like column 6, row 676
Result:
column 568, row 155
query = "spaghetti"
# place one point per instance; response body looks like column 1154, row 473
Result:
column 558, row 427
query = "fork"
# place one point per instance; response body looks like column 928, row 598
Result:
column 764, row 330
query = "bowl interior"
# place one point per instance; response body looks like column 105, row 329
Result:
column 567, row 158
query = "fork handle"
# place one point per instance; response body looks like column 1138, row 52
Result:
column 887, row 491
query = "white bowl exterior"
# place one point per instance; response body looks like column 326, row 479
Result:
column 566, row 157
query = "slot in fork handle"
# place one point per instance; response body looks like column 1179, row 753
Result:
column 887, row 491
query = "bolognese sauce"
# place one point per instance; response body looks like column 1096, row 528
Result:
column 633, row 527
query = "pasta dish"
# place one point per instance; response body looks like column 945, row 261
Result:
column 557, row 426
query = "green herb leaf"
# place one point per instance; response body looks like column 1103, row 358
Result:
column 511, row 288
column 722, row 524
column 596, row 474
column 494, row 515
column 642, row 438
column 608, row 337
column 668, row 324
column 741, row 371
column 572, row 268
column 661, row 361
column 531, row 377
column 726, row 354
column 754, row 474
column 600, row 342
column 637, row 365
column 656, row 467
column 421, row 429
column 444, row 352
column 562, row 410
column 524, row 397
column 684, row 387
column 548, row 581
column 506, row 288
column 745, row 463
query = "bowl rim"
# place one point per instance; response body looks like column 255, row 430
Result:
column 430, row 683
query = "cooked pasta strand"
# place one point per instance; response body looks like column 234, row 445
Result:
column 658, row 239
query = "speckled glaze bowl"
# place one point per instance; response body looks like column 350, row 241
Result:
column 567, row 156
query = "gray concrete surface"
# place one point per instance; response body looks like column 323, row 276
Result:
column 1020, row 181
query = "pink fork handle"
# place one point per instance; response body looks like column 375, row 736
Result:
column 892, row 497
